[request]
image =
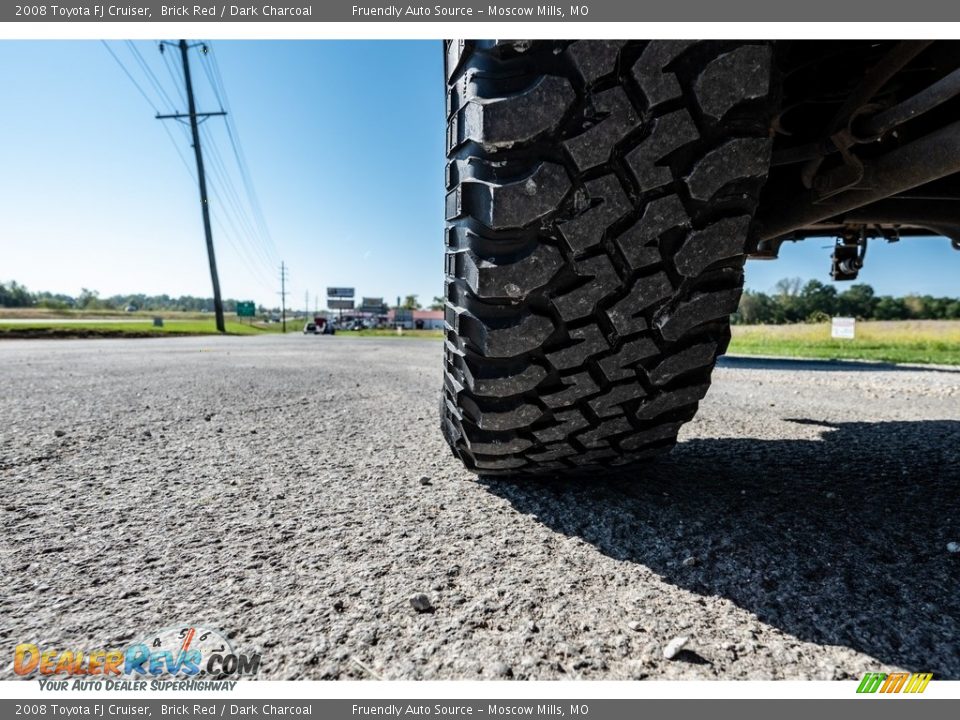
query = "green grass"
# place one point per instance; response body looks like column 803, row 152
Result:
column 105, row 328
column 920, row 341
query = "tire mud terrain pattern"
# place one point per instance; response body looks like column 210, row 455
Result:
column 599, row 199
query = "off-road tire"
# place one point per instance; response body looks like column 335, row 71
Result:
column 599, row 198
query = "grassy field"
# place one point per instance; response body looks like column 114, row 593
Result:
column 908, row 341
column 920, row 341
column 81, row 324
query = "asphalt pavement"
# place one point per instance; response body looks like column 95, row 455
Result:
column 296, row 493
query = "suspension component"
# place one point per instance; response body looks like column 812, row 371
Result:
column 848, row 256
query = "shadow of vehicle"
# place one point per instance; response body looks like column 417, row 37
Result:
column 839, row 541
column 746, row 362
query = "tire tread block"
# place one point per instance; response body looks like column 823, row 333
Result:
column 595, row 58
column 639, row 244
column 736, row 159
column 742, row 74
column 567, row 423
column 581, row 302
column 514, row 280
column 675, row 322
column 589, row 341
column 616, row 367
column 670, row 400
column 658, row 84
column 692, row 358
column 577, row 387
column 722, row 240
column 669, row 133
column 585, row 231
column 592, row 148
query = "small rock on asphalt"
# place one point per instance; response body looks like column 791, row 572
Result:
column 425, row 481
column 59, row 433
column 634, row 625
column 953, row 547
column 421, row 603
column 674, row 647
column 690, row 561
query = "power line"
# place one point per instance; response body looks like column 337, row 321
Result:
column 220, row 91
column 132, row 79
column 150, row 103
column 231, row 195
column 148, row 72
column 233, row 199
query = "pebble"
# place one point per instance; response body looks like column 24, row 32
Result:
column 59, row 433
column 502, row 670
column 634, row 625
column 690, row 561
column 674, row 647
column 953, row 547
column 425, row 481
column 421, row 603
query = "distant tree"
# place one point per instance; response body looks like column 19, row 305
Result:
column 438, row 303
column 756, row 308
column 890, row 308
column 818, row 301
column 15, row 295
column 410, row 303
column 90, row 300
column 788, row 287
column 857, row 301
column 789, row 302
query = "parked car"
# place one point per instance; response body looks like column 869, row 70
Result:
column 310, row 329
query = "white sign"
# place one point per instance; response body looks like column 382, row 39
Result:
column 843, row 327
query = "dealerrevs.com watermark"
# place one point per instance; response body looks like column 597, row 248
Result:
column 188, row 657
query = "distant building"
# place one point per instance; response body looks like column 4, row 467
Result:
column 416, row 319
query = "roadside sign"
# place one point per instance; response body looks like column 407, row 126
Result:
column 340, row 292
column 373, row 305
column 246, row 309
column 340, row 304
column 843, row 327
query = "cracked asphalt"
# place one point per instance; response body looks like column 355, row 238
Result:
column 296, row 493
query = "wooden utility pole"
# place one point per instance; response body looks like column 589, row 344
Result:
column 192, row 114
column 283, row 296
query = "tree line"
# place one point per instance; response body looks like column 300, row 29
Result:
column 13, row 294
column 792, row 301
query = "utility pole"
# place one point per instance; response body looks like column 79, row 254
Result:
column 201, row 179
column 306, row 303
column 283, row 296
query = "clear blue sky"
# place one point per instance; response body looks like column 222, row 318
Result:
column 344, row 143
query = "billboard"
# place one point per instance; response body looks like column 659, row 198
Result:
column 373, row 305
column 340, row 304
column 340, row 292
